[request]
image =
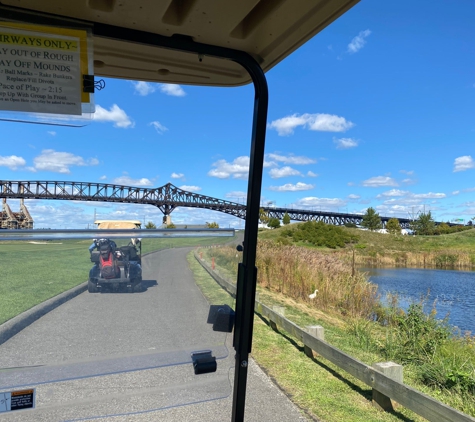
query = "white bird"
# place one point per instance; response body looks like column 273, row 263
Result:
column 313, row 295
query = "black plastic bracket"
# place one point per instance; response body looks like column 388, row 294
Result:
column 88, row 83
column 203, row 362
column 222, row 317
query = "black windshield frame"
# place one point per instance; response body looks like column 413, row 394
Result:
column 247, row 274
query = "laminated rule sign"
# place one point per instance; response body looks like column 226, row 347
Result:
column 41, row 72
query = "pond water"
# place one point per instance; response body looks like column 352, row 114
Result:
column 453, row 291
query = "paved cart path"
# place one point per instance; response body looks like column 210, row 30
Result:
column 169, row 316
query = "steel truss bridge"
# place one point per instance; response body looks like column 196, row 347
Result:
column 167, row 198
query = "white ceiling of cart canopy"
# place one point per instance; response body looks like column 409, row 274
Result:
column 269, row 30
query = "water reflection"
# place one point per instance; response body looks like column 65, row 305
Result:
column 453, row 291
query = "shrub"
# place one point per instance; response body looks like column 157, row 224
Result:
column 274, row 223
column 415, row 335
column 317, row 233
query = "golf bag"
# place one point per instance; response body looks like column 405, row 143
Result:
column 107, row 261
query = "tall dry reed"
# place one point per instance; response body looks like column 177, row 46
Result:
column 460, row 260
column 298, row 271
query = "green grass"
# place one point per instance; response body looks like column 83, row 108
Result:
column 463, row 241
column 317, row 386
column 455, row 250
column 150, row 245
column 34, row 273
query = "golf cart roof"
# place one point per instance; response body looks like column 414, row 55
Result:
column 268, row 30
column 118, row 224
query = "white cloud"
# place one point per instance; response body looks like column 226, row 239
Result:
column 322, row 203
column 177, row 175
column 358, row 42
column 463, row 163
column 353, row 196
column 408, row 172
column 52, row 132
column 455, row 192
column 319, row 122
column 144, row 88
column 103, row 177
column 394, row 192
column 129, row 181
column 312, row 174
column 115, row 114
column 60, row 162
column 408, row 181
column 291, row 159
column 429, row 195
column 237, row 196
column 12, row 162
column 158, row 127
column 289, row 187
column 345, row 143
column 283, row 172
column 379, row 181
column 190, row 188
column 408, row 201
column 238, row 169
column 173, row 90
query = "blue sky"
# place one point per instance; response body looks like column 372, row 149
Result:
column 376, row 110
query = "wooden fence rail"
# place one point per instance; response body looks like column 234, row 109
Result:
column 418, row 402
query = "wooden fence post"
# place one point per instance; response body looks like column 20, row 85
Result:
column 278, row 310
column 393, row 371
column 318, row 332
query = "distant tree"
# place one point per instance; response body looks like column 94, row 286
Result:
column 212, row 225
column 150, row 225
column 171, row 226
column 263, row 217
column 371, row 220
column 273, row 223
column 351, row 225
column 424, row 225
column 393, row 226
column 286, row 219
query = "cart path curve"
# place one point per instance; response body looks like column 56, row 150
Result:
column 169, row 315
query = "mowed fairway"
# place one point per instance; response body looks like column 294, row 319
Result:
column 34, row 272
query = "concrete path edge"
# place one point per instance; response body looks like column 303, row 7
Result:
column 16, row 324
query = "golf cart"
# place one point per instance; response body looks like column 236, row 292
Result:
column 115, row 267
column 204, row 43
